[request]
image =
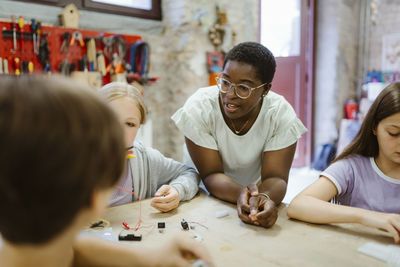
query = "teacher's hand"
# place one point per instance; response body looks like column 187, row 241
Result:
column 243, row 205
column 166, row 198
column 263, row 211
column 256, row 209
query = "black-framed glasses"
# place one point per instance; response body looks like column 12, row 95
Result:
column 242, row 91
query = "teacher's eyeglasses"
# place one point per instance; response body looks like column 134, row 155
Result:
column 241, row 90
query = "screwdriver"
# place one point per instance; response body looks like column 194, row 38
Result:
column 5, row 66
column 33, row 29
column 17, row 68
column 14, row 29
column 30, row 67
column 21, row 28
column 38, row 28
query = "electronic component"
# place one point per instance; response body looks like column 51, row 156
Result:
column 130, row 237
column 185, row 224
column 161, row 227
column 97, row 224
column 126, row 225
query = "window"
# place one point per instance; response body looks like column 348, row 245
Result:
column 148, row 9
column 280, row 27
column 141, row 4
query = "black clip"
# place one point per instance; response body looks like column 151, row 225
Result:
column 184, row 224
column 130, row 237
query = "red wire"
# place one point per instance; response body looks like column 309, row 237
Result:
column 140, row 205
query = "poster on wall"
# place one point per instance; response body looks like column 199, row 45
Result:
column 391, row 52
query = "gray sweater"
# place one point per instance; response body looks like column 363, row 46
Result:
column 149, row 170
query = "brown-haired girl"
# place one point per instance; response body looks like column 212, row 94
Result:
column 365, row 178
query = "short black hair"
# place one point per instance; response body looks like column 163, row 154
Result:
column 256, row 55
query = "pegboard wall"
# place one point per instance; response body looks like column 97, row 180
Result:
column 25, row 49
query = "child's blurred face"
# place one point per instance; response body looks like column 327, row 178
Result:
column 129, row 116
column 388, row 136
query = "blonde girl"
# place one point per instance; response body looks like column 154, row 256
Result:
column 149, row 174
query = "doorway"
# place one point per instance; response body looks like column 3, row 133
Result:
column 287, row 29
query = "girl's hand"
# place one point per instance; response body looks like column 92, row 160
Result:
column 388, row 222
column 166, row 198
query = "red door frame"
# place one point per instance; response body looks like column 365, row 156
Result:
column 303, row 98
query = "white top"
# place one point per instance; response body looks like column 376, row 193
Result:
column 276, row 127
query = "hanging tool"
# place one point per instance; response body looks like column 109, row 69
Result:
column 64, row 67
column 5, row 66
column 30, row 67
column 16, row 66
column 140, row 63
column 44, row 56
column 33, row 29
column 82, row 64
column 101, row 64
column 25, row 66
column 38, row 31
column 14, row 29
column 64, row 46
column 91, row 54
column 76, row 35
column 21, row 28
column 48, row 69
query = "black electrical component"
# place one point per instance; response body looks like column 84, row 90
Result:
column 184, row 224
column 161, row 225
column 130, row 237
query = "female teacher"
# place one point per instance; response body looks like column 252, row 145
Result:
column 241, row 136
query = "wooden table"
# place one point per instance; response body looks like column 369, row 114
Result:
column 233, row 243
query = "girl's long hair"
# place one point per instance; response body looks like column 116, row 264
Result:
column 365, row 143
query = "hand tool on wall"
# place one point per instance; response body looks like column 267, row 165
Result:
column 82, row 64
column 16, row 66
column 64, row 46
column 101, row 64
column 44, row 55
column 85, row 63
column 25, row 66
column 38, row 31
column 14, row 29
column 30, row 67
column 76, row 35
column 48, row 69
column 21, row 29
column 91, row 54
column 33, row 29
column 5, row 66
column 64, row 67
